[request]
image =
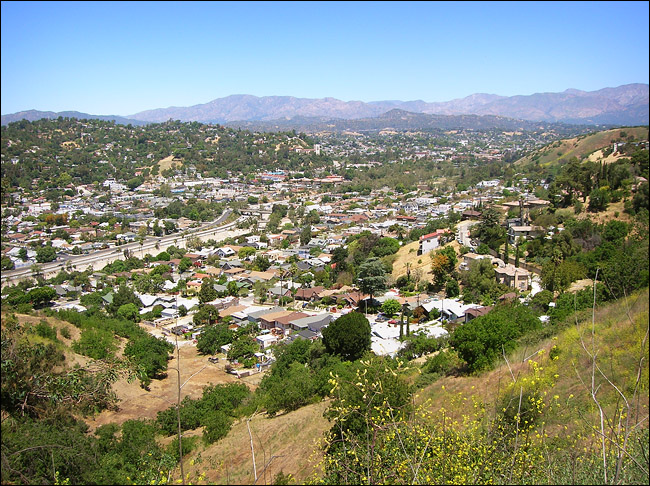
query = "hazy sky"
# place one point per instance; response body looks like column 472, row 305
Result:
column 120, row 58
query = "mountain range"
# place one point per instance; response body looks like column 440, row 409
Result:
column 623, row 105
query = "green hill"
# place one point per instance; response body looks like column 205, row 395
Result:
column 582, row 146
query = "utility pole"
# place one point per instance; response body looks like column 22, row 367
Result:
column 178, row 399
column 178, row 408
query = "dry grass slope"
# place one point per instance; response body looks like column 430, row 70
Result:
column 291, row 439
column 581, row 147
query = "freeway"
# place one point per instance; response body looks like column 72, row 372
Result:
column 100, row 258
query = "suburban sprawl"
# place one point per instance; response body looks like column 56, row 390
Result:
column 287, row 258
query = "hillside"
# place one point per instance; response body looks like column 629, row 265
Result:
column 559, row 365
column 408, row 256
column 582, row 146
column 554, row 369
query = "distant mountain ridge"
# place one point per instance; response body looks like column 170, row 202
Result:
column 396, row 120
column 623, row 105
column 33, row 115
column 626, row 104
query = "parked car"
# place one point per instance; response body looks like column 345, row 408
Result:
column 393, row 321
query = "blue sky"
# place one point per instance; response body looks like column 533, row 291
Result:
column 120, row 58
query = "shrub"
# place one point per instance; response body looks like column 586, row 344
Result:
column 480, row 341
column 95, row 343
column 217, row 426
column 44, row 330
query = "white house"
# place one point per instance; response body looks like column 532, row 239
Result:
column 431, row 241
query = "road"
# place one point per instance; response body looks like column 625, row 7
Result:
column 101, row 258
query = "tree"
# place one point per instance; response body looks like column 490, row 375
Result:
column 479, row 282
column 390, row 307
column 305, row 235
column 41, row 296
column 207, row 292
column 558, row 274
column 242, row 348
column 128, row 312
column 372, row 277
column 124, row 295
column 386, row 246
column 261, row 263
column 489, row 230
column 290, row 390
column 246, row 252
column 212, row 338
column 232, row 288
column 45, row 254
column 206, row 315
column 482, row 340
column 184, row 264
column 7, row 263
column 452, row 288
column 598, row 200
column 348, row 336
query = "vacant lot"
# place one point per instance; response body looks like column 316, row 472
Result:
column 137, row 403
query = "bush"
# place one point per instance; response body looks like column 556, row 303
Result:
column 482, row 340
column 189, row 444
column 44, row 330
column 217, row 426
column 95, row 343
column 442, row 363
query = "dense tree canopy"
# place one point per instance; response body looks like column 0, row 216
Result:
column 348, row 336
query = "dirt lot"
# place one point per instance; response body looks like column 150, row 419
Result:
column 137, row 403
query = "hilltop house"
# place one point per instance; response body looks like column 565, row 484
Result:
column 431, row 241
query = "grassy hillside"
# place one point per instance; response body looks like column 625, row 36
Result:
column 581, row 147
column 408, row 254
column 554, row 379
column 557, row 382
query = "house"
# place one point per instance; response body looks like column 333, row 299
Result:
column 431, row 241
column 225, row 252
column 304, row 334
column 231, row 310
column 284, row 322
column 513, row 277
column 409, row 219
column 266, row 340
column 476, row 312
column 526, row 232
column 309, row 294
column 470, row 214
column 267, row 321
column 227, row 265
column 255, row 317
column 279, row 291
column 450, row 309
column 231, row 272
column 352, row 299
column 314, row 323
